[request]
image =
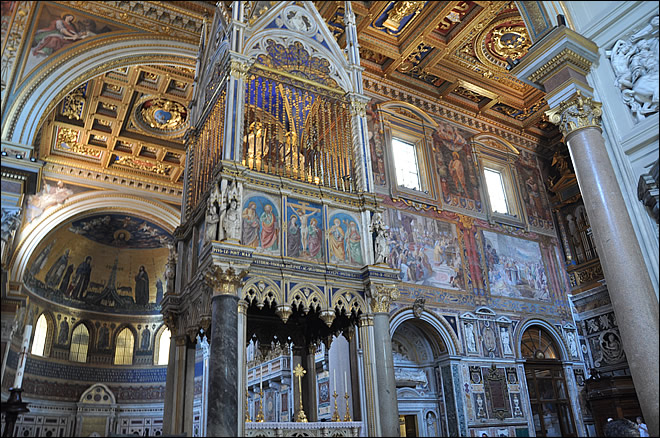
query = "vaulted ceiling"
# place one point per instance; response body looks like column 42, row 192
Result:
column 133, row 119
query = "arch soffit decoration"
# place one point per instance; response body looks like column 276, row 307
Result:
column 31, row 235
column 38, row 96
column 255, row 43
column 442, row 328
column 556, row 338
column 392, row 104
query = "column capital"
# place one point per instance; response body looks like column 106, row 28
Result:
column 381, row 297
column 575, row 113
column 224, row 281
column 558, row 64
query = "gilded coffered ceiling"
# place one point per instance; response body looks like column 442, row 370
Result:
column 131, row 122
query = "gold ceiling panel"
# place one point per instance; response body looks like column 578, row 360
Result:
column 130, row 120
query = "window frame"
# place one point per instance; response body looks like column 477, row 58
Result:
column 71, row 344
column 496, row 154
column 132, row 355
column 409, row 124
column 157, row 346
column 50, row 332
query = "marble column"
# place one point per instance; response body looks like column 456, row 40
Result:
column 388, row 407
column 369, row 408
column 310, row 399
column 628, row 282
column 223, row 397
column 560, row 62
column 180, row 384
column 242, row 364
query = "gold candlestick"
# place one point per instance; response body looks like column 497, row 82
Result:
column 347, row 417
column 247, row 407
column 260, row 414
column 298, row 371
column 335, row 415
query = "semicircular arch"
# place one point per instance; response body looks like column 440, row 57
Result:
column 39, row 95
column 32, row 234
column 440, row 325
column 556, row 338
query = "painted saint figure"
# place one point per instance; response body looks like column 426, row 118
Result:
column 52, row 38
column 142, row 287
column 56, row 271
column 314, row 240
column 336, row 239
column 352, row 244
column 82, row 278
column 457, row 173
column 63, row 337
column 250, row 231
column 146, row 339
column 64, row 284
column 269, row 229
column 293, row 240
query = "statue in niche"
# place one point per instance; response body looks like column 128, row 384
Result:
column 572, row 345
column 170, row 268
column 430, row 424
column 517, row 412
column 469, row 337
column 635, row 65
column 506, row 342
column 212, row 214
column 381, row 248
column 231, row 217
column 480, row 406
column 11, row 220
column 610, row 346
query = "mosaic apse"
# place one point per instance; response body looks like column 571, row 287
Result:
column 106, row 262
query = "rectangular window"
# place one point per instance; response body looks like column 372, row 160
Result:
column 406, row 164
column 496, row 191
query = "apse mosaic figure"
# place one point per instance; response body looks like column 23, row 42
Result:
column 344, row 240
column 515, row 267
column 304, row 236
column 260, row 225
column 426, row 251
column 104, row 263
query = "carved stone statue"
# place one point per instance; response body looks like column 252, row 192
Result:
column 170, row 269
column 635, row 64
column 212, row 214
column 232, row 216
column 381, row 249
column 406, row 377
column 11, row 219
column 418, row 306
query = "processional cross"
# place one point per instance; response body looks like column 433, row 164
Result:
column 299, row 372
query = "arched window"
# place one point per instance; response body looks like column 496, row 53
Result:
column 79, row 344
column 536, row 343
column 40, row 332
column 162, row 350
column 124, row 348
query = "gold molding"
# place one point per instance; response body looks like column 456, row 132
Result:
column 382, row 296
column 224, row 281
column 576, row 113
column 563, row 58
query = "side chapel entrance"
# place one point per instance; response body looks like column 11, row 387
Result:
column 546, row 383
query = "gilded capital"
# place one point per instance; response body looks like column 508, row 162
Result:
column 224, row 281
column 382, row 296
column 239, row 69
column 358, row 108
column 576, row 113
